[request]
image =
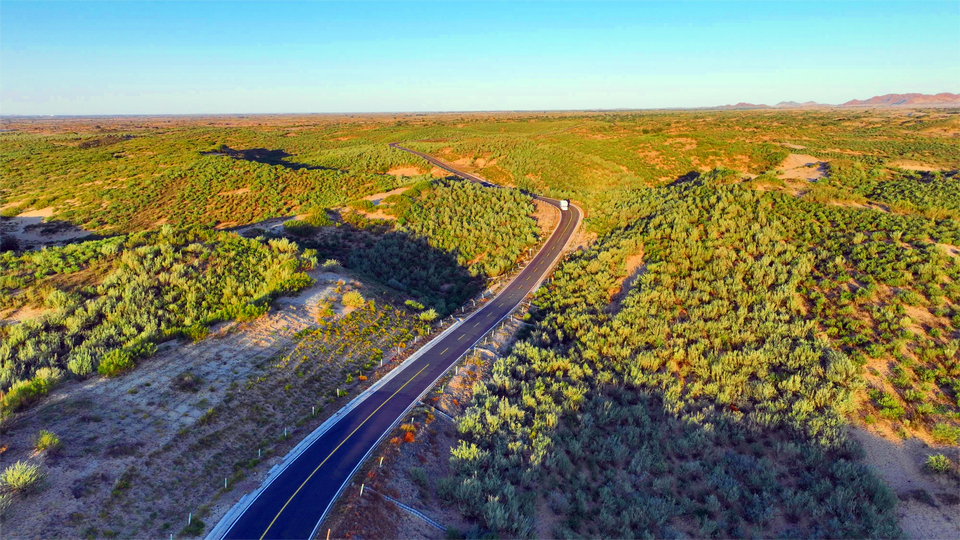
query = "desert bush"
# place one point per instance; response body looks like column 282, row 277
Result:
column 419, row 477
column 47, row 440
column 299, row 227
column 352, row 299
column 115, row 362
column 196, row 332
column 22, row 393
column 946, row 433
column 150, row 287
column 21, row 477
column 427, row 316
column 187, row 382
column 938, row 463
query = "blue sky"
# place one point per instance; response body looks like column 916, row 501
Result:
column 185, row 58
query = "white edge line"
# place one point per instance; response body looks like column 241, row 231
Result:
column 430, row 387
column 233, row 515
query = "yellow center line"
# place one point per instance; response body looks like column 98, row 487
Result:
column 445, row 350
column 478, row 324
column 337, row 448
column 461, row 337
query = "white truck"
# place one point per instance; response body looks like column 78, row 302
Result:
column 564, row 204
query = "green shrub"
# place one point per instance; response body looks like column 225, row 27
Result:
column 938, row 463
column 353, row 299
column 47, row 440
column 22, row 393
column 428, row 315
column 195, row 528
column 196, row 332
column 6, row 499
column 419, row 477
column 187, row 382
column 299, row 227
column 331, row 264
column 318, row 217
column 115, row 362
column 21, row 477
column 10, row 212
column 945, row 433
column 363, row 204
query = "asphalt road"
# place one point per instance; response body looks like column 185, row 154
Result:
column 296, row 501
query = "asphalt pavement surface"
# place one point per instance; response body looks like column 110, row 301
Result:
column 294, row 504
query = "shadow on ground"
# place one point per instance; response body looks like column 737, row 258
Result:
column 929, row 504
column 21, row 233
column 268, row 157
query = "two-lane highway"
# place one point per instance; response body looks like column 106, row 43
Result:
column 294, row 502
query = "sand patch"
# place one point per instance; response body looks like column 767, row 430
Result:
column 926, row 508
column 405, row 171
column 377, row 198
column 437, row 172
column 800, row 166
column 792, row 146
column 687, row 143
column 31, row 230
column 912, row 165
column 42, row 213
column 22, row 314
column 950, row 249
column 240, row 191
column 110, row 426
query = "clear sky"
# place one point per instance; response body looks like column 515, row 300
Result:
column 179, row 57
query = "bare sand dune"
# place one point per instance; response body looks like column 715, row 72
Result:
column 377, row 198
column 929, row 506
column 802, row 167
column 405, row 171
column 912, row 165
column 31, row 229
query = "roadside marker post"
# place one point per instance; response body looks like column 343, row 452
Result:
column 313, row 410
column 190, row 518
column 224, row 483
column 258, row 453
column 381, row 463
column 328, row 534
column 361, row 490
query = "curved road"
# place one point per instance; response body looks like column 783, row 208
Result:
column 294, row 502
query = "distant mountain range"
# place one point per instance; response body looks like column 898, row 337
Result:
column 897, row 100
column 889, row 100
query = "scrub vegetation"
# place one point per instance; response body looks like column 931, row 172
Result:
column 138, row 290
column 692, row 371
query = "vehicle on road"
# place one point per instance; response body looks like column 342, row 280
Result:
column 294, row 499
column 564, row 204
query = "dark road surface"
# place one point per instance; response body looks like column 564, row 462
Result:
column 296, row 501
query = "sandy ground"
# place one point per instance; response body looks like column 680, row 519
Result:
column 32, row 230
column 929, row 506
column 800, row 166
column 913, row 165
column 378, row 197
column 136, row 429
column 405, row 171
